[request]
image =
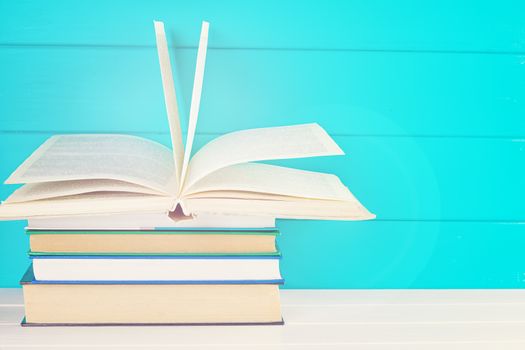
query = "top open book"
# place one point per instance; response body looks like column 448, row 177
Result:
column 92, row 174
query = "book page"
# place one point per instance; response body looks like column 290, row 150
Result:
column 285, row 209
column 271, row 179
column 195, row 98
column 99, row 156
column 87, row 204
column 238, row 195
column 170, row 99
column 46, row 190
column 297, row 141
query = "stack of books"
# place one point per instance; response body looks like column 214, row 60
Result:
column 123, row 275
column 125, row 230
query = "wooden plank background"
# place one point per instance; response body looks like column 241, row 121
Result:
column 427, row 100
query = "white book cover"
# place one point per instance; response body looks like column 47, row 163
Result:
column 187, row 269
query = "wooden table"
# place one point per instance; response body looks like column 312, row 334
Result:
column 315, row 319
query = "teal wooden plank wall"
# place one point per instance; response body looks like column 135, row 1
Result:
column 427, row 100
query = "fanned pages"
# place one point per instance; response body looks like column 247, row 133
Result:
column 73, row 176
column 284, row 142
column 273, row 180
column 98, row 156
column 53, row 189
column 170, row 99
column 195, row 99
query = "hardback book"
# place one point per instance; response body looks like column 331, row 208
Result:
column 147, row 221
column 129, row 269
column 161, row 241
column 90, row 174
column 113, row 303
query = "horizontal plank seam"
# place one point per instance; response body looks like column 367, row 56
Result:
column 513, row 138
column 269, row 345
column 261, row 48
column 373, row 323
column 365, row 304
column 444, row 220
column 422, row 304
column 494, row 221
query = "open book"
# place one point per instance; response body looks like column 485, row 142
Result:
column 91, row 174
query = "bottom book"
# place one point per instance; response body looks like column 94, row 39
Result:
column 106, row 304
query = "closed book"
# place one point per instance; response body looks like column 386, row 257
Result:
column 128, row 269
column 106, row 304
column 160, row 241
column 147, row 221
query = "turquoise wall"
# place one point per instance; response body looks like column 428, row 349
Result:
column 427, row 100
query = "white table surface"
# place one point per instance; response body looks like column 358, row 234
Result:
column 315, row 319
